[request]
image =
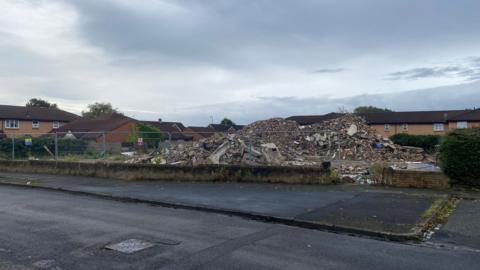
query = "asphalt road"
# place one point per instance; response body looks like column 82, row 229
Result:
column 42, row 229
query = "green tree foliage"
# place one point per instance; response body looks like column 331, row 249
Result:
column 37, row 102
column 370, row 109
column 227, row 122
column 460, row 156
column 427, row 142
column 97, row 109
column 151, row 135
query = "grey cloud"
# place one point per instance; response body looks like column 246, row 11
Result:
column 243, row 33
column 469, row 70
column 329, row 70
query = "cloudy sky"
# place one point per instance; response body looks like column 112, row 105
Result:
column 191, row 60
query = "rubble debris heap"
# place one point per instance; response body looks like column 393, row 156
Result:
column 282, row 142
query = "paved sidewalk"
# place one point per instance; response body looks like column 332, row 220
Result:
column 358, row 209
column 463, row 226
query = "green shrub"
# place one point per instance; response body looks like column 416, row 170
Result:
column 427, row 142
column 151, row 135
column 460, row 156
column 37, row 148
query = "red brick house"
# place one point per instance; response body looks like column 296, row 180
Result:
column 34, row 121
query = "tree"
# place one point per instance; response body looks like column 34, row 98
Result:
column 97, row 109
column 370, row 109
column 37, row 102
column 227, row 122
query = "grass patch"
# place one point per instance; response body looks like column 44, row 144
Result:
column 438, row 213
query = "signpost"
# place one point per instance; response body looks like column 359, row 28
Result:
column 28, row 142
column 140, row 141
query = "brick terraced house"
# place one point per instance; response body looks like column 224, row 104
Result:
column 413, row 122
column 34, row 121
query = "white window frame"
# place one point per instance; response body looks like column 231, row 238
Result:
column 462, row 124
column 438, row 127
column 8, row 124
column 386, row 127
column 35, row 124
column 56, row 124
column 404, row 127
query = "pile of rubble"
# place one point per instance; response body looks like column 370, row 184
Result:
column 282, row 142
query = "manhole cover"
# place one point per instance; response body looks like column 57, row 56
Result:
column 130, row 246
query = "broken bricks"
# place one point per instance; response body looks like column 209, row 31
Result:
column 282, row 142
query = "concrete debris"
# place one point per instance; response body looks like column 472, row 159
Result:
column 281, row 142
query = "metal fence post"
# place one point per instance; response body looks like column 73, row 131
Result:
column 169, row 140
column 250, row 155
column 104, row 142
column 13, row 147
column 56, row 146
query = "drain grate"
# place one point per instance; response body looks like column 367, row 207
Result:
column 130, row 246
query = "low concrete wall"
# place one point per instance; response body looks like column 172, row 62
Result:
column 416, row 179
column 259, row 174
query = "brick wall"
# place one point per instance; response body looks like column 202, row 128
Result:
column 227, row 173
column 119, row 134
column 415, row 179
column 418, row 129
column 25, row 127
column 414, row 129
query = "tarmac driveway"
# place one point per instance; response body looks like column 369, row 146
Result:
column 345, row 206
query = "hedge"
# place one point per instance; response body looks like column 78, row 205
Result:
column 460, row 156
column 427, row 142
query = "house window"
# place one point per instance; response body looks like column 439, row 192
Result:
column 386, row 127
column 404, row 127
column 462, row 124
column 438, row 127
column 12, row 124
column 35, row 124
column 56, row 124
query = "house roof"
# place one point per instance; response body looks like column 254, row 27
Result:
column 171, row 128
column 204, row 132
column 92, row 128
column 414, row 117
column 312, row 119
column 115, row 115
column 471, row 115
column 178, row 124
column 225, row 128
column 35, row 113
column 201, row 129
